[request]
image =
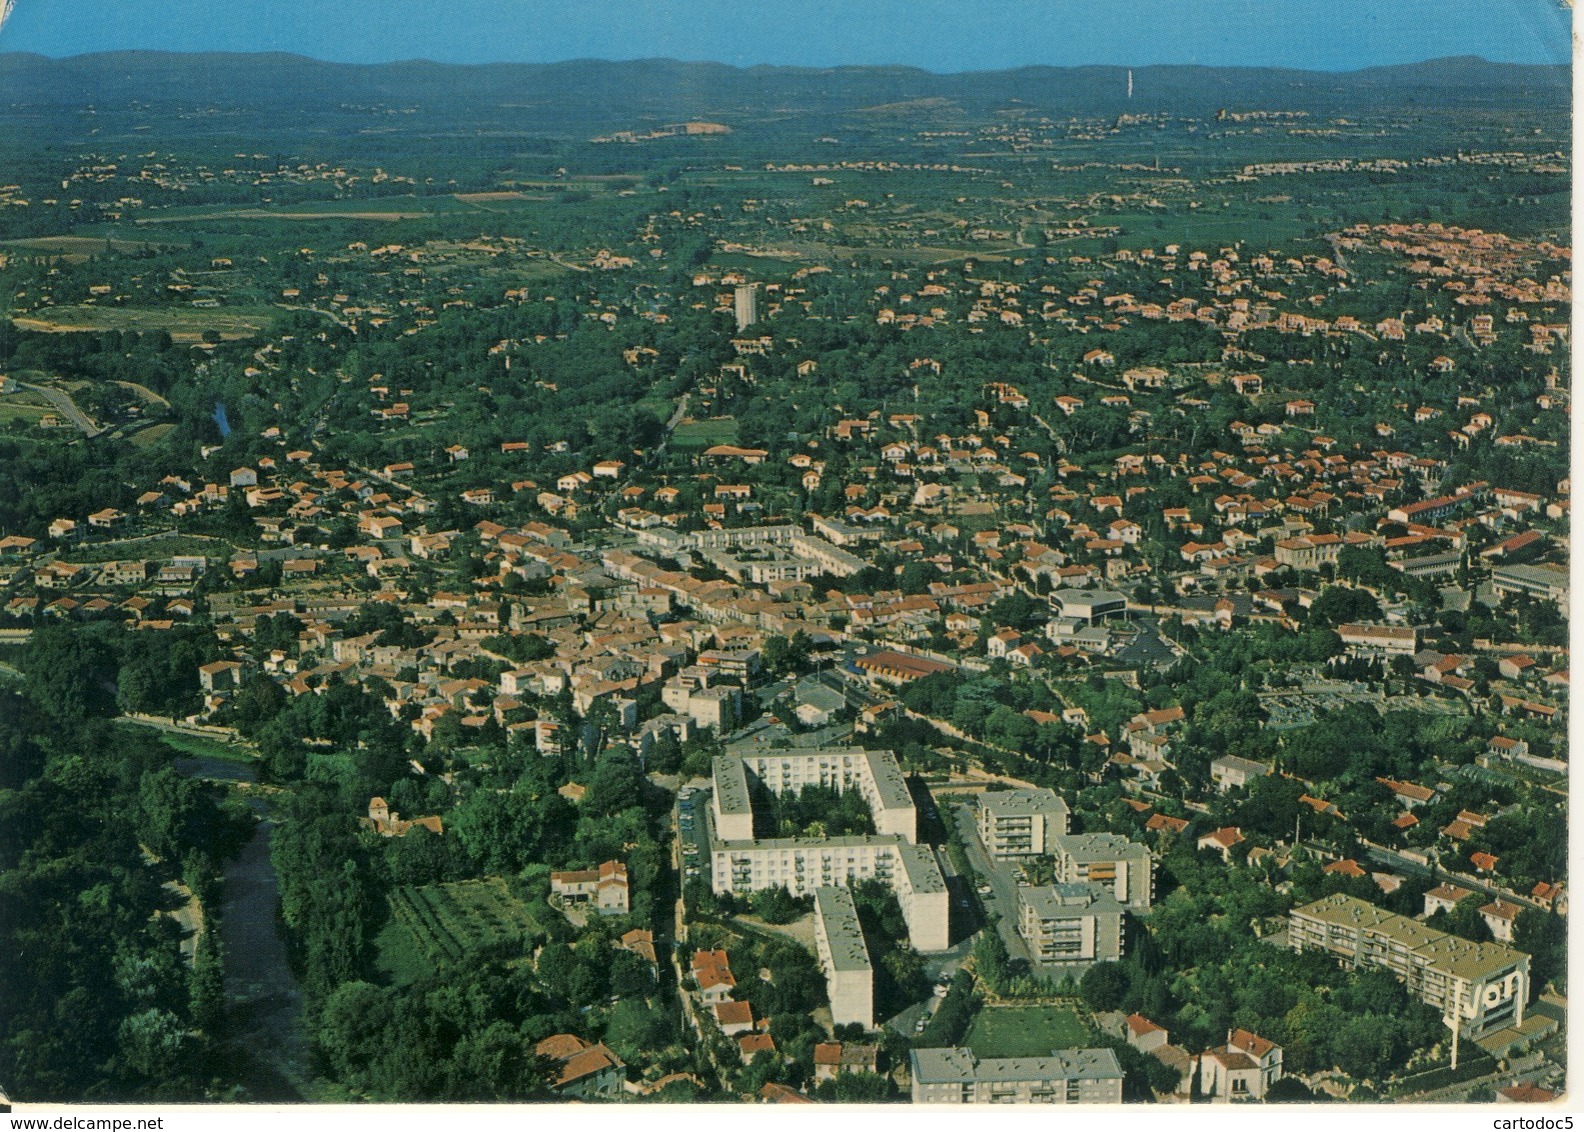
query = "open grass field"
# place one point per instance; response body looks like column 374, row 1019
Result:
column 23, row 407
column 203, row 747
column 439, row 923
column 1025, row 1031
column 73, row 249
column 150, row 436
column 704, row 434
column 182, row 325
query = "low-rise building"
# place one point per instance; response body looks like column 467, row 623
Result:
column 1229, row 772
column 605, row 888
column 1088, row 605
column 955, row 1075
column 1549, row 583
column 1242, row 1070
column 583, row 1069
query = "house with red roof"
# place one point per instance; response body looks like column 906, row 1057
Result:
column 712, row 972
column 604, row 888
column 584, row 1069
column 734, row 1018
column 1243, row 1069
column 1221, row 841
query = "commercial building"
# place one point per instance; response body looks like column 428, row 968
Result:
column 1070, row 923
column 1088, row 605
column 1482, row 986
column 954, row 1075
column 1020, row 823
column 844, row 957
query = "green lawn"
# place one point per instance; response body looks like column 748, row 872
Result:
column 201, row 746
column 704, row 434
column 1026, row 1031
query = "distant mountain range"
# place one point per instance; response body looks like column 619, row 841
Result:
column 587, row 94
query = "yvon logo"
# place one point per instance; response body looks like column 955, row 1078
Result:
column 1497, row 993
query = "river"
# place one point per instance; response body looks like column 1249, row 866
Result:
column 266, row 1044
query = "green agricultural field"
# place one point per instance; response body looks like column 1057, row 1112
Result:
column 151, row 435
column 438, row 923
column 183, row 325
column 1026, row 1031
column 704, row 434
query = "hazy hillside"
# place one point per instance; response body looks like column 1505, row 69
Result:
column 592, row 94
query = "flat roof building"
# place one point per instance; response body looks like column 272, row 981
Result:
column 874, row 774
column 1122, row 867
column 1076, row 924
column 1543, row 581
column 1089, row 605
column 955, row 1075
column 1020, row 823
column 803, row 864
column 844, row 957
column 1482, row 985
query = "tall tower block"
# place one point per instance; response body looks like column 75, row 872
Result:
column 746, row 305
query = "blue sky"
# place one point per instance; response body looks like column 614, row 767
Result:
column 940, row 35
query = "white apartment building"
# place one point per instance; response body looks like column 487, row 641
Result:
column 1020, row 823
column 1483, row 985
column 1077, row 924
column 954, row 1075
column 874, row 774
column 803, row 864
column 1122, row 867
column 844, row 957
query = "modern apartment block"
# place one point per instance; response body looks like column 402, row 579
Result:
column 1482, row 985
column 954, row 1075
column 844, row 957
column 801, row 865
column 874, row 774
column 1070, row 923
column 1020, row 823
column 1123, row 867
